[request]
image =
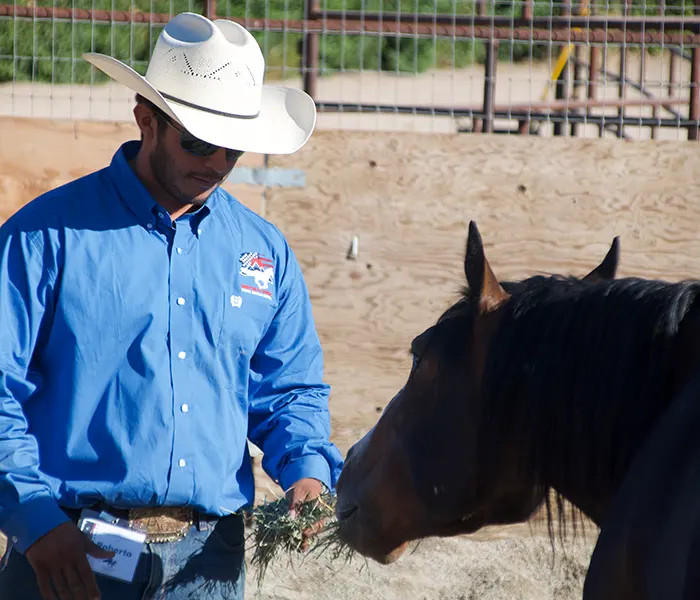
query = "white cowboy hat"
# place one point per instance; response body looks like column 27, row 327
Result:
column 208, row 76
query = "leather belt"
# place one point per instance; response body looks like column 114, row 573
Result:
column 159, row 523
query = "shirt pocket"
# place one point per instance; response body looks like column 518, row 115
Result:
column 245, row 320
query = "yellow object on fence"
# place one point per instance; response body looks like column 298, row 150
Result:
column 563, row 56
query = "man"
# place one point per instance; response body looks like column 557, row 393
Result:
column 150, row 324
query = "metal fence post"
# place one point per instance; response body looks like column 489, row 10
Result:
column 486, row 126
column 210, row 9
column 309, row 53
column 490, row 84
column 694, row 104
column 561, row 86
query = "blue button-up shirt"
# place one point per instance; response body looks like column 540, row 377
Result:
column 137, row 354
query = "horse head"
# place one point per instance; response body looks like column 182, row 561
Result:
column 424, row 469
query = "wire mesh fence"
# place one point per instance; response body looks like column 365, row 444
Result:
column 628, row 68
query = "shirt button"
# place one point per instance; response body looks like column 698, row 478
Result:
column 199, row 231
column 182, row 354
column 149, row 225
column 185, row 408
column 15, row 539
column 181, row 462
column 178, row 250
column 180, row 301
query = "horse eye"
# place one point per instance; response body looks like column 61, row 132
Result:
column 416, row 361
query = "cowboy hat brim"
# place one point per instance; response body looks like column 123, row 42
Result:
column 286, row 119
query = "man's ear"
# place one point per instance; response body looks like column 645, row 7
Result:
column 146, row 121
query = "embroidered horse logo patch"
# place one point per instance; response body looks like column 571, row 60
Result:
column 262, row 271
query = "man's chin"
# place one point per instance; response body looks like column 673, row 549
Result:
column 198, row 198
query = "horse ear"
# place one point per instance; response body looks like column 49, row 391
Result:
column 483, row 285
column 608, row 268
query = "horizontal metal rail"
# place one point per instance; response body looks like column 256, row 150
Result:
column 674, row 22
column 516, row 114
column 555, row 106
column 594, row 30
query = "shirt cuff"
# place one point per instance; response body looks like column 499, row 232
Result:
column 313, row 466
column 32, row 520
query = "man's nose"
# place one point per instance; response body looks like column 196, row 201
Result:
column 217, row 161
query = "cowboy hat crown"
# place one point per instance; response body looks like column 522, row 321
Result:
column 208, row 76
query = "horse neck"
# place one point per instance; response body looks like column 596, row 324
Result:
column 594, row 492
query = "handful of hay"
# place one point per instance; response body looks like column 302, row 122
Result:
column 277, row 533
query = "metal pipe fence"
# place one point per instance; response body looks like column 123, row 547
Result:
column 629, row 69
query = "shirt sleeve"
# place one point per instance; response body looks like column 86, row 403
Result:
column 288, row 401
column 28, row 509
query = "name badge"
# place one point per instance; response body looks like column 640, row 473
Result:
column 110, row 534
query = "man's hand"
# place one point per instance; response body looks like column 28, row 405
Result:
column 59, row 559
column 302, row 491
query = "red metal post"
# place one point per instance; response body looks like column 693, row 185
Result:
column 490, row 84
column 478, row 124
column 561, row 87
column 673, row 59
column 622, row 84
column 622, row 91
column 694, row 104
column 527, row 14
column 309, row 53
column 578, row 81
column 210, row 9
column 593, row 72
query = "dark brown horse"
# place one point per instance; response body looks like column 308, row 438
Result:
column 587, row 388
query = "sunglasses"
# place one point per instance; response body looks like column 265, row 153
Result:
column 195, row 146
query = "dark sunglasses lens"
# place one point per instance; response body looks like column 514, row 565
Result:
column 196, row 146
column 199, row 147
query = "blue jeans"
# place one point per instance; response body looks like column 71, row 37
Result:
column 208, row 564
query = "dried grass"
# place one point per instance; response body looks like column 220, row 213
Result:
column 277, row 534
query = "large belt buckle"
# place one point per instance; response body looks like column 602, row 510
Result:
column 162, row 523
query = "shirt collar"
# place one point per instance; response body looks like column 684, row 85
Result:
column 135, row 194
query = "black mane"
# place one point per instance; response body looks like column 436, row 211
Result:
column 577, row 363
column 580, row 371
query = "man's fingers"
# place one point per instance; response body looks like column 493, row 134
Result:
column 43, row 581
column 61, row 566
column 88, row 578
column 75, row 585
column 310, row 532
column 94, row 550
column 61, row 585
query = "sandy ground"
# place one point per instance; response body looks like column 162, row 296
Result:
column 502, row 563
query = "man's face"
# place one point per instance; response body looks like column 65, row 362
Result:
column 186, row 177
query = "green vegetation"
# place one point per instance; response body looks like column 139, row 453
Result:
column 50, row 50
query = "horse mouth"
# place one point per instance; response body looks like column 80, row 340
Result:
column 353, row 530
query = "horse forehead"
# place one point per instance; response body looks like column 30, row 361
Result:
column 361, row 445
